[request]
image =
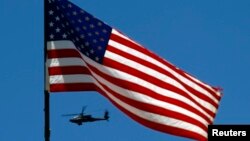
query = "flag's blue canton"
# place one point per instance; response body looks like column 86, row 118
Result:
column 66, row 21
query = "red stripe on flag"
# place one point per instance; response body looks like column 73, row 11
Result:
column 63, row 53
column 68, row 70
column 67, row 87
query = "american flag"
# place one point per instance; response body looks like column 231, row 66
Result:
column 86, row 54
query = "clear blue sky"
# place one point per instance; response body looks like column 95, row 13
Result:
column 208, row 39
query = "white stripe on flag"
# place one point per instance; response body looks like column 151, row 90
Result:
column 62, row 44
column 71, row 61
column 73, row 78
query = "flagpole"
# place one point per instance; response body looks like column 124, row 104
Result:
column 46, row 92
column 46, row 116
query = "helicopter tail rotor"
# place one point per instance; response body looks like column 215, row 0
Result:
column 106, row 115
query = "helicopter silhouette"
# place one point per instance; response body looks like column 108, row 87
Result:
column 80, row 118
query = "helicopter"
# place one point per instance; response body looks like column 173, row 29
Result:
column 80, row 118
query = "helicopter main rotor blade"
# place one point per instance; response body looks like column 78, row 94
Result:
column 83, row 109
column 66, row 115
